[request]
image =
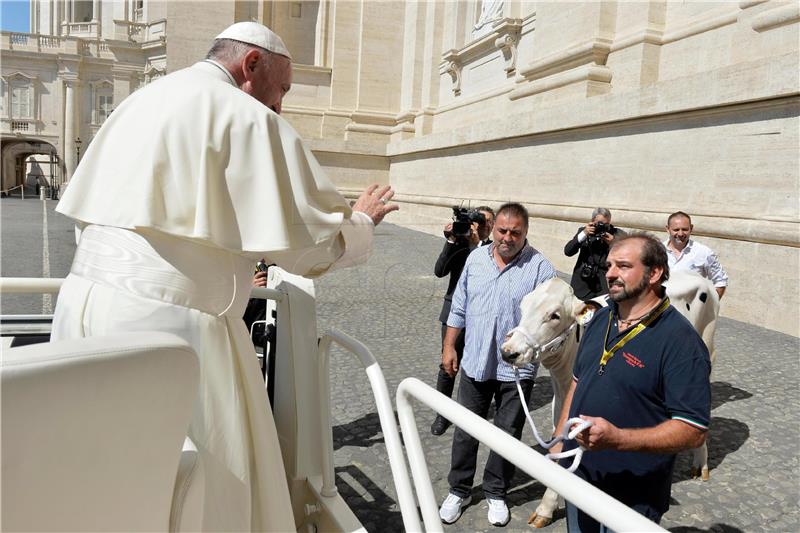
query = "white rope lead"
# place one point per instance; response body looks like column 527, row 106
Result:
column 566, row 434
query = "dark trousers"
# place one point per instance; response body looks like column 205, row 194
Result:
column 477, row 397
column 445, row 383
column 580, row 522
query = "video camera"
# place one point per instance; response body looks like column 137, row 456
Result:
column 462, row 222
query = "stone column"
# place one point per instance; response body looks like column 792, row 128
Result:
column 34, row 16
column 96, row 17
column 70, row 156
column 321, row 35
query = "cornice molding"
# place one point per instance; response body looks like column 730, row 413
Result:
column 763, row 230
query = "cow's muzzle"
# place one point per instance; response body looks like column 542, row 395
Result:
column 518, row 348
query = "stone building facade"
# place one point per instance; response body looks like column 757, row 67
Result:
column 643, row 107
column 63, row 78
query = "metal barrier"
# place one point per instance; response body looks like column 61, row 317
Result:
column 30, row 285
column 28, row 325
column 391, row 436
column 591, row 500
column 21, row 188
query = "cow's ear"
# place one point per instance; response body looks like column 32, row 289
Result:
column 584, row 311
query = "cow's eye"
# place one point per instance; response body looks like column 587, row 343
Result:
column 554, row 316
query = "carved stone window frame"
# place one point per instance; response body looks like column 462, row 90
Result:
column 152, row 73
column 103, row 87
column 12, row 81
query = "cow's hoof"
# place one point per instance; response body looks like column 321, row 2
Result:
column 695, row 472
column 539, row 521
column 704, row 475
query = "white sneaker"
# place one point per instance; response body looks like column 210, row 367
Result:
column 498, row 512
column 451, row 509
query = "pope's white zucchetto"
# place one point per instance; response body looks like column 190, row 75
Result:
column 257, row 35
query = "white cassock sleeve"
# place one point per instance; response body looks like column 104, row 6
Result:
column 350, row 247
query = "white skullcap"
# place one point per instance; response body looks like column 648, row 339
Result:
column 257, row 35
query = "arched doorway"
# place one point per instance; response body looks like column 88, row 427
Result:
column 28, row 165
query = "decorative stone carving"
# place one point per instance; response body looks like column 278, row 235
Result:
column 491, row 11
column 504, row 36
column 453, row 68
column 152, row 73
column 507, row 44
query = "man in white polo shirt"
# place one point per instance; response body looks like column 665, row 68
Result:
column 684, row 253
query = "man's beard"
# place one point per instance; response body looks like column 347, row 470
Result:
column 625, row 293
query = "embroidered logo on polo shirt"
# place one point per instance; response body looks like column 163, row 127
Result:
column 632, row 360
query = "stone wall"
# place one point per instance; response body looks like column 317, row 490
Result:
column 645, row 108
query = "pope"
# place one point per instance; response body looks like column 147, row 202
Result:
column 190, row 181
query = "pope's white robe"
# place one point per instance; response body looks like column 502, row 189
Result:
column 188, row 183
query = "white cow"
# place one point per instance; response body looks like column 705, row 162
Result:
column 548, row 313
column 696, row 298
column 546, row 335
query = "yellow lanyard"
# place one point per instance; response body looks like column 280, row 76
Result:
column 608, row 354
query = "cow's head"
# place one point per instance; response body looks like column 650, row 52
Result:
column 546, row 313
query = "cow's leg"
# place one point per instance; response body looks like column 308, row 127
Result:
column 700, row 461
column 543, row 515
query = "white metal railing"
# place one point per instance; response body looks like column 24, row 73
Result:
column 28, row 324
column 383, row 403
column 30, row 285
column 591, row 500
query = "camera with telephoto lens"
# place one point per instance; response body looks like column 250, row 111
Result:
column 462, row 222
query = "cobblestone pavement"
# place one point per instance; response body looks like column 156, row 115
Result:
column 392, row 305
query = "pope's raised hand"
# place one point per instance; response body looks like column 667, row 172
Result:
column 374, row 202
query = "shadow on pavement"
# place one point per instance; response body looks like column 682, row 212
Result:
column 723, row 392
column 726, row 436
column 374, row 508
column 362, row 432
column 715, row 528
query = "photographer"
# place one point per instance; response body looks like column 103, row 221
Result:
column 593, row 242
column 468, row 230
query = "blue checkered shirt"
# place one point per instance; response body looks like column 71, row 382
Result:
column 486, row 302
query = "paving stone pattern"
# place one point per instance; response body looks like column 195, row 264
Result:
column 392, row 304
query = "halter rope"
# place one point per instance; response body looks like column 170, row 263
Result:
column 552, row 346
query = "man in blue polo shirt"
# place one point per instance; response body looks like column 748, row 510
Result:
column 486, row 303
column 641, row 377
